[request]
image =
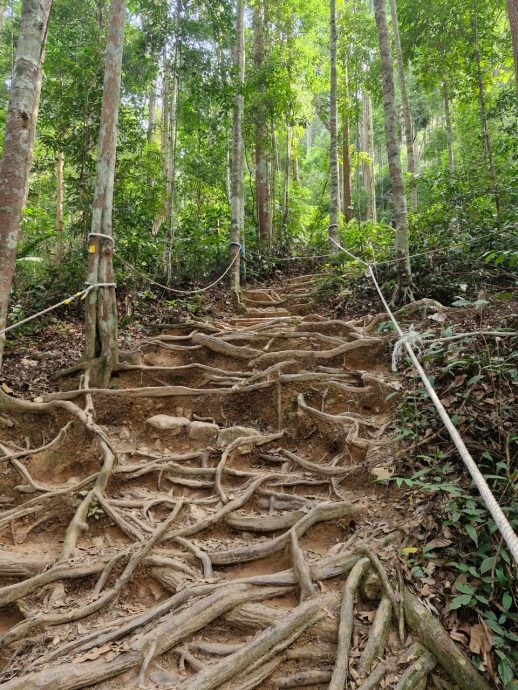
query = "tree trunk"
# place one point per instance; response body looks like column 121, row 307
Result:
column 346, row 156
column 333, row 127
column 273, row 180
column 449, row 129
column 101, row 309
column 483, row 112
column 407, row 117
column 20, row 128
column 164, row 129
column 2, row 15
column 171, row 154
column 369, row 174
column 512, row 11
column 262, row 192
column 296, row 171
column 60, row 217
column 286, row 187
column 238, row 202
column 403, row 290
column 151, row 126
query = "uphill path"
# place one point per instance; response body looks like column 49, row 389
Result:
column 212, row 519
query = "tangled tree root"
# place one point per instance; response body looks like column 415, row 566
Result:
column 257, row 535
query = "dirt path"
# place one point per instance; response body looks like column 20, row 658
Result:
column 211, row 521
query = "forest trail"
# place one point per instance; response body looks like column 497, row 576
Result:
column 212, row 521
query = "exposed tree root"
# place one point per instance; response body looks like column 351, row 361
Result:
column 345, row 629
column 194, row 540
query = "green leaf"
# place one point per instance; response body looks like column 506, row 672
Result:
column 461, row 600
column 487, row 564
column 472, row 532
column 507, row 601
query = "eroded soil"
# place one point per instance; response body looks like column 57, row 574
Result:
column 211, row 520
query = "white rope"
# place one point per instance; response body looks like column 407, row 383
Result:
column 78, row 295
column 291, row 258
column 412, row 338
column 356, row 258
column 177, row 292
column 102, row 236
column 492, row 505
column 427, row 253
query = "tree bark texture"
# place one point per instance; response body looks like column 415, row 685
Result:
column 407, row 116
column 486, row 136
column 369, row 174
column 238, row 204
column 151, row 126
column 101, row 308
column 393, row 154
column 286, row 187
column 262, row 191
column 449, row 128
column 346, row 155
column 20, row 128
column 512, row 11
column 60, row 216
column 333, row 128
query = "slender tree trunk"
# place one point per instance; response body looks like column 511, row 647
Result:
column 403, row 290
column 407, row 116
column 60, row 217
column 151, row 126
column 273, row 179
column 333, row 127
column 171, row 155
column 238, row 203
column 369, row 174
column 164, row 129
column 262, row 192
column 286, row 187
column 2, row 15
column 512, row 11
column 20, row 128
column 346, row 155
column 101, row 309
column 296, row 170
column 449, row 129
column 483, row 112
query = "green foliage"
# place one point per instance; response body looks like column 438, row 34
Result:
column 486, row 582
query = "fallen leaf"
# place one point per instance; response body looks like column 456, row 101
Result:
column 382, row 473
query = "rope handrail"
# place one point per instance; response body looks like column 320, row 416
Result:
column 490, row 501
column 174, row 290
column 427, row 253
column 68, row 300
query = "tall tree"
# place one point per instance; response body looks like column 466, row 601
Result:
column 151, row 126
column 486, row 136
column 20, row 129
column 346, row 154
column 262, row 191
column 101, row 308
column 404, row 276
column 449, row 128
column 512, row 11
column 333, row 128
column 369, row 175
column 170, row 151
column 405, row 104
column 60, row 217
column 238, row 202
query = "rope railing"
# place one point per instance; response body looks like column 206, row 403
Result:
column 68, row 300
column 479, row 480
column 175, row 291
